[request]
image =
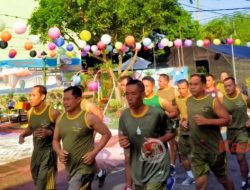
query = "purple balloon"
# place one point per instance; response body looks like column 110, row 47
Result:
column 86, row 48
column 160, row 45
column 84, row 53
column 70, row 47
column 188, row 43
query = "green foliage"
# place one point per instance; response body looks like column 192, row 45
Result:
column 115, row 103
column 23, row 98
column 117, row 18
column 236, row 26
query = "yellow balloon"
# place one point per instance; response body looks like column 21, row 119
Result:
column 237, row 42
column 70, row 54
column 216, row 42
column 118, row 45
column 85, row 35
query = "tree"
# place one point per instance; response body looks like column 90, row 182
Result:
column 117, row 18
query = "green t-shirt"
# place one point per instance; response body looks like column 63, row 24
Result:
column 237, row 107
column 77, row 140
column 153, row 123
column 153, row 101
column 41, row 119
column 168, row 94
column 182, row 107
column 205, row 138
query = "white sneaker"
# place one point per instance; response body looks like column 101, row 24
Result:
column 188, row 181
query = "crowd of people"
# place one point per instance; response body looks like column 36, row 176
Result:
column 155, row 127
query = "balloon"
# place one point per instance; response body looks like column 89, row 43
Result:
column 178, row 43
column 51, row 46
column 76, row 80
column 81, row 44
column 109, row 48
column 216, row 42
column 54, row 33
column 106, row 39
column 93, row 86
column 6, row 36
column 137, row 46
column 230, row 41
column 188, row 43
column 33, row 53
column 59, row 42
column 94, row 48
column 237, row 42
column 115, row 51
column 61, row 51
column 70, row 47
column 164, row 41
column 199, row 43
column 28, row 46
column 19, row 27
column 34, row 39
column 2, row 25
column 3, row 44
column 170, row 44
column 12, row 53
column 248, row 44
column 146, row 41
column 87, row 48
column 98, row 52
column 130, row 40
column 160, row 46
column 123, row 48
column 70, row 54
column 118, row 45
column 206, row 43
column 85, row 35
column 101, row 45
column 84, row 53
column 52, row 53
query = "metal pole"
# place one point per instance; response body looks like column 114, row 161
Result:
column 233, row 62
column 44, row 72
column 154, row 57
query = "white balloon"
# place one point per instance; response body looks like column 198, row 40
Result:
column 19, row 27
column 2, row 25
column 199, row 43
column 81, row 44
column 164, row 42
column 94, row 48
column 248, row 44
column 138, row 46
column 106, row 38
column 170, row 44
column 146, row 41
column 34, row 39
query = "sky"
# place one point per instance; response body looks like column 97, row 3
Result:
column 206, row 16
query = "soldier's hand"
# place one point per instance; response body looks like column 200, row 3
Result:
column 63, row 156
column 124, row 141
column 88, row 158
column 200, row 120
column 21, row 139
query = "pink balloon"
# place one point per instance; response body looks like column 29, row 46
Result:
column 178, row 43
column 12, row 53
column 93, row 86
column 51, row 46
column 160, row 45
column 54, row 33
column 206, row 43
column 19, row 27
column 101, row 45
column 230, row 41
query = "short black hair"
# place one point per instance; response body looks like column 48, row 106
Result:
column 128, row 78
column 149, row 78
column 42, row 89
column 76, row 91
column 165, row 76
column 229, row 78
column 138, row 83
column 202, row 77
column 210, row 75
column 183, row 81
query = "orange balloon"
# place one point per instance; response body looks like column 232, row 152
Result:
column 28, row 46
column 52, row 53
column 130, row 40
column 6, row 36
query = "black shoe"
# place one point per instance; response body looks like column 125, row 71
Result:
column 172, row 171
column 245, row 187
column 102, row 178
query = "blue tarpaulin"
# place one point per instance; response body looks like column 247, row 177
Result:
column 35, row 63
column 241, row 52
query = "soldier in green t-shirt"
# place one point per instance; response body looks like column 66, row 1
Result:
column 237, row 132
column 41, row 123
column 145, row 131
column 75, row 128
column 205, row 116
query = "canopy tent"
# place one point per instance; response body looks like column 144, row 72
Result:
column 140, row 64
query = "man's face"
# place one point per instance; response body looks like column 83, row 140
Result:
column 210, row 82
column 196, row 86
column 123, row 85
column 134, row 96
column 229, row 87
column 149, row 87
column 35, row 98
column 70, row 102
column 223, row 76
column 183, row 89
column 162, row 82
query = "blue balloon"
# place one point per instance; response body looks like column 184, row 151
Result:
column 70, row 47
column 59, row 42
column 109, row 48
